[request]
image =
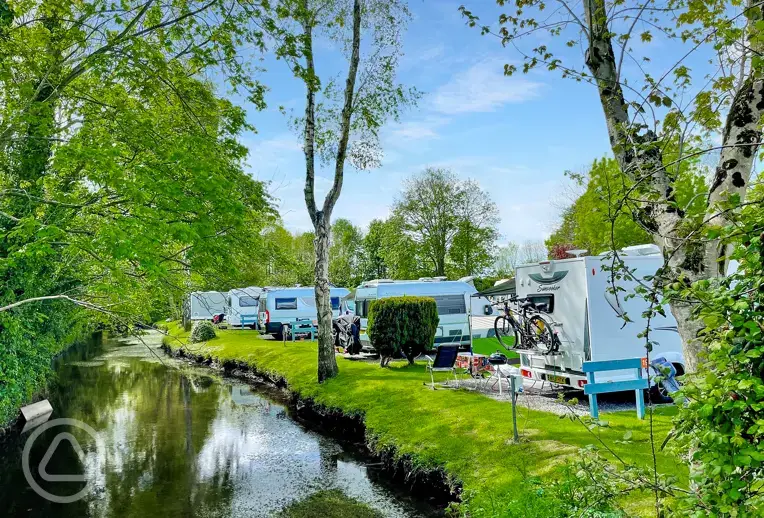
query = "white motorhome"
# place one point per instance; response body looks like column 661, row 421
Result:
column 587, row 316
column 279, row 306
column 455, row 300
column 203, row 305
column 243, row 306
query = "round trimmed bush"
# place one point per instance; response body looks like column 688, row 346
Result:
column 402, row 324
column 202, row 331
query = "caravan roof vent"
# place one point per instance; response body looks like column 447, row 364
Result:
column 468, row 279
column 441, row 278
column 642, row 250
column 576, row 253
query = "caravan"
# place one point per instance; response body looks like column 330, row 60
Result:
column 242, row 309
column 587, row 317
column 203, row 305
column 455, row 300
column 281, row 306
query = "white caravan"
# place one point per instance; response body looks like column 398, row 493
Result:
column 279, row 306
column 203, row 305
column 454, row 299
column 243, row 306
column 587, row 316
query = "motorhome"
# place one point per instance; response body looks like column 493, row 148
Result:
column 242, row 307
column 588, row 318
column 203, row 305
column 281, row 306
column 455, row 300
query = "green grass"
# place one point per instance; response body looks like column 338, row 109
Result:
column 328, row 504
column 489, row 346
column 466, row 433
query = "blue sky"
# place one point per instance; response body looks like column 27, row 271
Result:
column 516, row 136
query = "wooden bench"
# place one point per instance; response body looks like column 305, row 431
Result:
column 638, row 384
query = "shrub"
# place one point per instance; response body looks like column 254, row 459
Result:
column 202, row 331
column 402, row 324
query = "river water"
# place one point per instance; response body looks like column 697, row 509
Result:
column 175, row 440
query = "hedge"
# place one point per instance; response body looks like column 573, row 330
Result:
column 402, row 324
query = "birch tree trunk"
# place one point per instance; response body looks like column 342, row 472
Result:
column 327, row 364
column 321, row 219
column 640, row 157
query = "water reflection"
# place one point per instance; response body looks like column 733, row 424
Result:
column 178, row 442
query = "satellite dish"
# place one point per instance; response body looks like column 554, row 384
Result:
column 576, row 253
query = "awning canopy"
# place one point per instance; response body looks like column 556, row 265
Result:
column 505, row 288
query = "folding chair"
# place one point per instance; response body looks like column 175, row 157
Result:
column 444, row 361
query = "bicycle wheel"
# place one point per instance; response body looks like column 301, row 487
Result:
column 506, row 333
column 541, row 334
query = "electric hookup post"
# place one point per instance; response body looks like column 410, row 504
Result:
column 514, row 410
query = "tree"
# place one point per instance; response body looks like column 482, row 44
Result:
column 586, row 223
column 436, row 208
column 345, row 254
column 343, row 124
column 590, row 223
column 532, row 252
column 658, row 118
column 372, row 252
column 507, row 260
column 120, row 170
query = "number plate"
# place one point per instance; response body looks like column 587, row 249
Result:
column 557, row 379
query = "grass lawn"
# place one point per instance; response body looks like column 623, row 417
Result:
column 467, row 434
column 489, row 346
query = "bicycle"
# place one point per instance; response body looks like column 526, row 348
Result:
column 525, row 332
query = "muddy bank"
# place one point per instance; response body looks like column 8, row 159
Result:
column 432, row 485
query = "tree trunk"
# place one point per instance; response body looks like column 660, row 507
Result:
column 327, row 363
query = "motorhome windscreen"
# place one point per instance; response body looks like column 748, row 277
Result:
column 450, row 304
column 290, row 303
column 335, row 303
column 362, row 308
column 543, row 302
column 247, row 302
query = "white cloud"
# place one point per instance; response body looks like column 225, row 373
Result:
column 483, row 88
column 417, row 130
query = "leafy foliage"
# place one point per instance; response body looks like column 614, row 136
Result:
column 402, row 324
column 451, row 221
column 202, row 331
column 584, row 488
column 721, row 424
column 121, row 177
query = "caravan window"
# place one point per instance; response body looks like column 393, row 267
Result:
column 335, row 303
column 290, row 303
column 450, row 304
column 544, row 302
column 247, row 302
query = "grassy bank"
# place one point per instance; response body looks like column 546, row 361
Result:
column 467, row 434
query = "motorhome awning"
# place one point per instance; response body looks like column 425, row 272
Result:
column 505, row 288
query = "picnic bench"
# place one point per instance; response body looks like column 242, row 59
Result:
column 638, row 384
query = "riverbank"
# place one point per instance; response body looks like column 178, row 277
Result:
column 465, row 435
column 25, row 375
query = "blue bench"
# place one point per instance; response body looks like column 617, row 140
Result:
column 248, row 320
column 638, row 384
column 303, row 326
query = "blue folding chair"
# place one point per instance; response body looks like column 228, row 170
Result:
column 445, row 360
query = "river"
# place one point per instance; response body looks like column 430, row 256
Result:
column 175, row 440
